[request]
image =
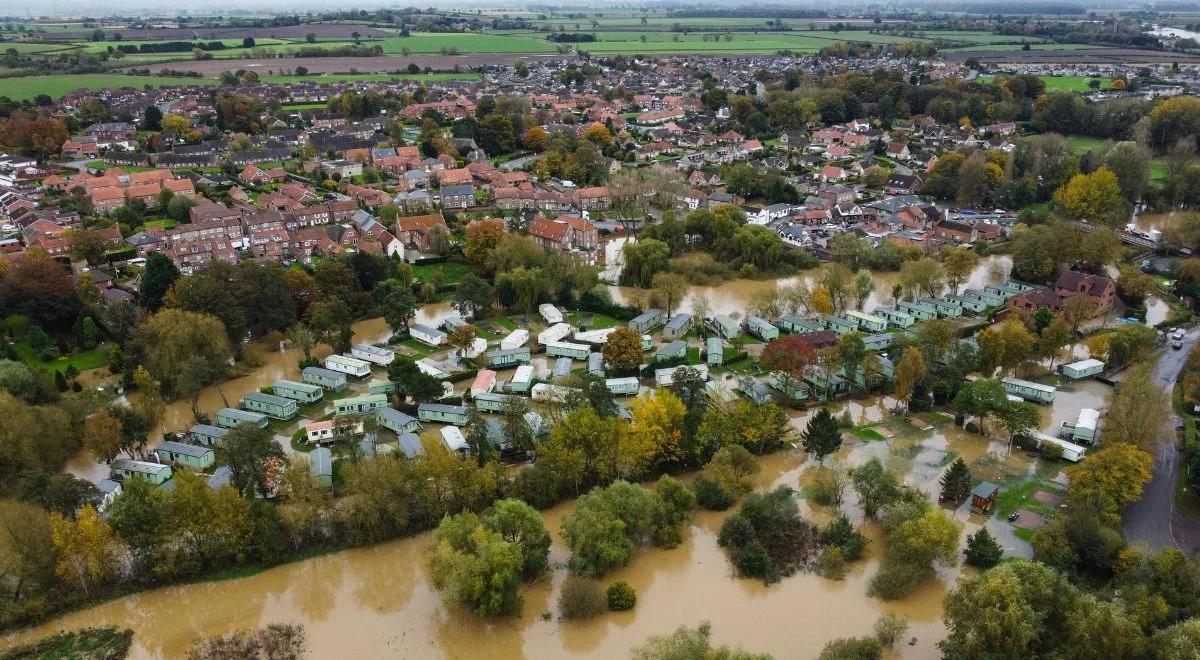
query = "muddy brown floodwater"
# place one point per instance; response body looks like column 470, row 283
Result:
column 378, row 602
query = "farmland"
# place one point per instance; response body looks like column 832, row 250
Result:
column 20, row 89
column 371, row 77
column 426, row 43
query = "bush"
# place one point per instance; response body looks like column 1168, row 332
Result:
column 827, row 486
column 853, row 648
column 889, row 628
column 580, row 599
column 620, row 597
column 710, row 495
column 831, row 565
column 841, row 534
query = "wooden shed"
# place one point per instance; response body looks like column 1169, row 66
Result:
column 983, row 497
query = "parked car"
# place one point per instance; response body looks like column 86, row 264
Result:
column 1176, row 344
column 1178, row 334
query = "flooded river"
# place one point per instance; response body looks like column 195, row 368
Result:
column 379, row 601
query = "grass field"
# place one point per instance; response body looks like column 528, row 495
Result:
column 371, row 77
column 426, row 43
column 1081, row 144
column 34, row 49
column 19, row 89
column 1012, row 47
column 1061, row 83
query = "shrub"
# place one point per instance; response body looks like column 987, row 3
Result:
column 620, row 597
column 842, row 535
column 580, row 599
column 827, row 486
column 710, row 495
column 831, row 565
column 853, row 648
column 889, row 628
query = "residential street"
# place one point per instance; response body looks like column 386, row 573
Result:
column 1153, row 519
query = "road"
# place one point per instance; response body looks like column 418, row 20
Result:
column 1153, row 519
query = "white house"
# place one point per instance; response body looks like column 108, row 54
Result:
column 426, row 334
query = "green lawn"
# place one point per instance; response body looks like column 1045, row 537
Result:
column 82, row 361
column 426, row 43
column 22, row 89
column 33, row 49
column 452, row 273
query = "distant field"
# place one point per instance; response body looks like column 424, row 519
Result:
column 20, row 89
column 1010, row 47
column 465, row 43
column 1061, row 83
column 27, row 49
column 371, row 77
column 809, row 41
column 103, row 46
column 978, row 37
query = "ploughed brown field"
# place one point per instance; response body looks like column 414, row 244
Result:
column 381, row 64
column 322, row 30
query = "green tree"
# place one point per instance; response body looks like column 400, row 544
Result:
column 474, row 565
column 957, row 482
column 874, row 484
column 520, row 525
column 821, row 436
column 160, row 274
column 254, row 456
column 983, row 551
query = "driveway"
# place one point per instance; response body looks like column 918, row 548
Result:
column 1153, row 519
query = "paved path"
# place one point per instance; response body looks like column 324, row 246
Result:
column 1153, row 519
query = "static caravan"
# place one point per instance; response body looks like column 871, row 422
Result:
column 359, row 404
column 207, row 435
column 761, row 328
column 502, row 358
column 485, row 381
column 433, row 368
column 714, row 351
column 320, row 463
column 753, row 389
column 562, row 368
column 878, row 342
column 442, row 413
column 373, row 354
column 719, row 393
column 723, row 326
column 1001, row 291
column 231, row 417
column 896, row 318
column 1029, row 391
column 453, row 322
column 492, row 402
column 988, row 298
column 410, row 444
column 595, row 364
column 330, row 431
column 1084, row 428
column 556, row 332
column 427, row 335
column 921, row 311
column 792, row 324
column 515, row 339
column 622, row 386
column 278, row 407
column 666, row 376
column 1018, row 287
column 522, row 379
column 348, row 365
column 594, row 336
column 867, row 322
column 568, row 349
column 968, row 304
column 647, row 320
column 1082, row 369
column 1070, row 451
column 820, row 385
column 792, row 388
column 302, row 392
column 326, row 378
column 677, row 326
column 454, row 440
column 947, row 308
column 550, row 313
column 156, row 473
column 647, row 343
column 396, row 421
column 181, row 453
column 673, row 351
column 840, row 325
column 376, row 386
column 552, row 393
